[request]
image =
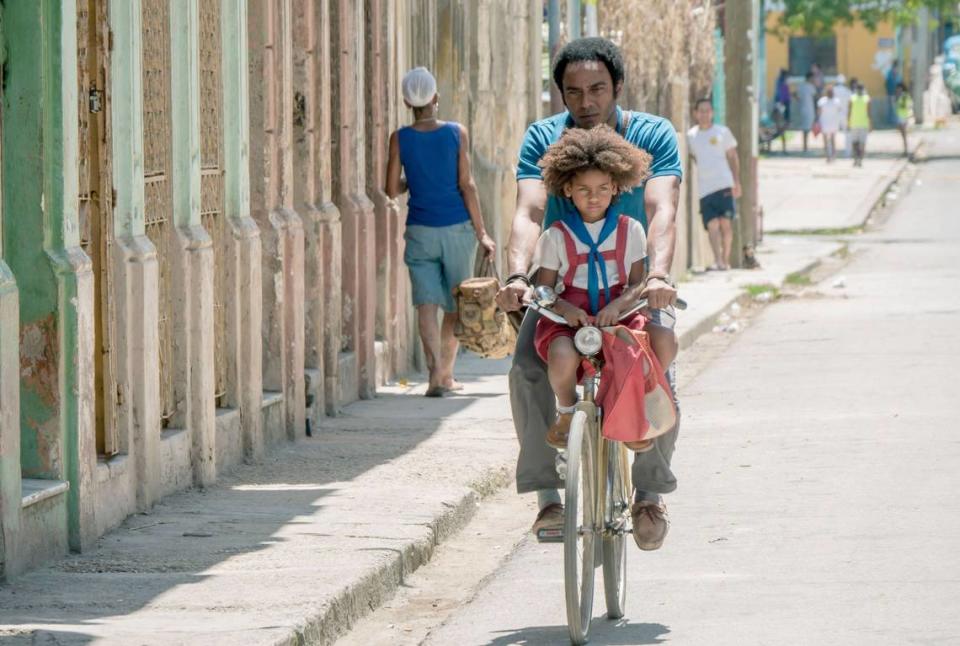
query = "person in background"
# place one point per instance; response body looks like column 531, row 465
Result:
column 782, row 94
column 859, row 121
column 843, row 94
column 718, row 179
column 830, row 115
column 444, row 223
column 892, row 79
column 806, row 102
column 904, row 113
column 817, row 78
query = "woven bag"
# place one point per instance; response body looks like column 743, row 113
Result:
column 481, row 327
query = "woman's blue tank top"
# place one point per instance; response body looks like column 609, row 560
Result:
column 431, row 161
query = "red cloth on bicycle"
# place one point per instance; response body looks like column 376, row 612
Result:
column 634, row 394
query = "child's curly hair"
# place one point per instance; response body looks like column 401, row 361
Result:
column 599, row 148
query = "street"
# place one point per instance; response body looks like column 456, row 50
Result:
column 817, row 464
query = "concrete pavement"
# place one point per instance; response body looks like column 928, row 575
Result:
column 296, row 549
column 803, row 194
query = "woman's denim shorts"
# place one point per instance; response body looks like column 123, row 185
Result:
column 439, row 259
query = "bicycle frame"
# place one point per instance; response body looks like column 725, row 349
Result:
column 605, row 518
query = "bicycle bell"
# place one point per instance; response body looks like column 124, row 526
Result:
column 588, row 340
column 545, row 296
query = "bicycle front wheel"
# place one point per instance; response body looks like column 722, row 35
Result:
column 617, row 506
column 579, row 537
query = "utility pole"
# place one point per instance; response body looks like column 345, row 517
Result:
column 740, row 20
column 553, row 42
column 574, row 24
column 921, row 62
column 590, row 27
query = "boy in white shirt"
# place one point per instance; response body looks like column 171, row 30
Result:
column 718, row 175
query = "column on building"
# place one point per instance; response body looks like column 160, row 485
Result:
column 281, row 229
column 379, row 86
column 310, row 107
column 11, row 492
column 349, row 191
column 191, row 263
column 239, row 432
column 329, row 240
column 134, row 483
column 48, row 481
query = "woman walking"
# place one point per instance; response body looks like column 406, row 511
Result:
column 806, row 103
column 444, row 223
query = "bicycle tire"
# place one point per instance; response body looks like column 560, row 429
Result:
column 617, row 504
column 579, row 547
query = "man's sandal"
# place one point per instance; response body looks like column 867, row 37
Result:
column 548, row 528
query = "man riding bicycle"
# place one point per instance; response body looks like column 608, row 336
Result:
column 589, row 73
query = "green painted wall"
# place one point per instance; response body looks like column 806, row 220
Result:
column 24, row 233
column 40, row 227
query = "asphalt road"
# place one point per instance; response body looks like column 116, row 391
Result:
column 819, row 467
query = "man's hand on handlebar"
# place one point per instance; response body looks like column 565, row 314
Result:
column 659, row 293
column 514, row 295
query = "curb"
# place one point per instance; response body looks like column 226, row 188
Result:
column 375, row 588
column 870, row 203
column 882, row 185
column 689, row 336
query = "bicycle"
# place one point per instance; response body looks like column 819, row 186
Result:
column 597, row 500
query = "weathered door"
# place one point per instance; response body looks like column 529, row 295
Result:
column 96, row 201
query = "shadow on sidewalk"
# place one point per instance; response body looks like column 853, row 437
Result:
column 300, row 502
column 602, row 631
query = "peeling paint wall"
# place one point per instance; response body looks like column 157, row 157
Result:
column 25, row 224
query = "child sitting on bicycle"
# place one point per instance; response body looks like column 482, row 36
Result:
column 593, row 256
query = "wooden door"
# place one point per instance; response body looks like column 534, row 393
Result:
column 96, row 202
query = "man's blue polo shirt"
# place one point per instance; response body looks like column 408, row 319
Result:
column 653, row 134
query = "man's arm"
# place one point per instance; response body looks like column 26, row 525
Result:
column 661, row 195
column 734, row 160
column 524, row 233
column 527, row 224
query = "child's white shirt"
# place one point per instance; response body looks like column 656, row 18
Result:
column 552, row 252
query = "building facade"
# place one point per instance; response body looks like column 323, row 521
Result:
column 853, row 50
column 197, row 259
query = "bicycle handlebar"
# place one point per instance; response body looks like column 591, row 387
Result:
column 680, row 304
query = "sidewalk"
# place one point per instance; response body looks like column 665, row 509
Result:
column 294, row 550
column 801, row 193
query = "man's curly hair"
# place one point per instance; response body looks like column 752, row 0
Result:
column 599, row 148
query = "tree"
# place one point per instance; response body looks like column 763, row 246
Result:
column 819, row 17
